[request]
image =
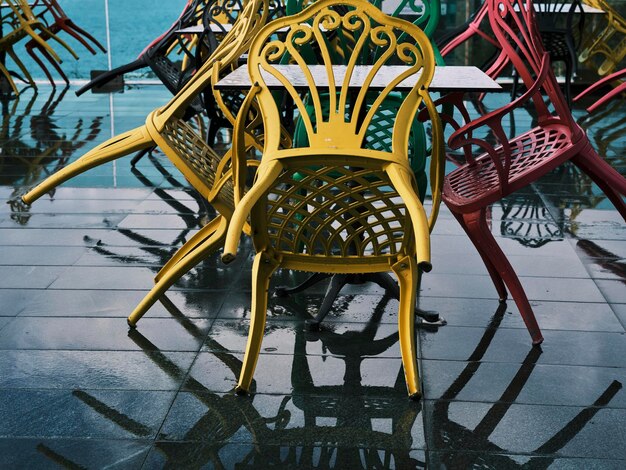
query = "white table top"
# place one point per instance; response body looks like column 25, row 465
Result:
column 446, row 78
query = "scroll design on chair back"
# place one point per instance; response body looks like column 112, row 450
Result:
column 348, row 115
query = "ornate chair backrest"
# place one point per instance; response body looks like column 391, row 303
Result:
column 221, row 12
column 343, row 120
column 515, row 27
column 334, row 199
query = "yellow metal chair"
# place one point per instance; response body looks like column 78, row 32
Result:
column 206, row 171
column 337, row 205
column 608, row 40
column 19, row 23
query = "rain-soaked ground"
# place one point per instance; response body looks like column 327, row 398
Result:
column 79, row 390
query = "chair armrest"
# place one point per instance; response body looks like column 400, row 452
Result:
column 239, row 147
column 463, row 136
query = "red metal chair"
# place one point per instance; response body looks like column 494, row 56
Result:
column 477, row 25
column 510, row 164
column 59, row 21
column 616, row 91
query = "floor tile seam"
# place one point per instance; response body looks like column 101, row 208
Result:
column 88, row 389
column 285, row 354
column 241, row 441
column 432, row 401
column 76, row 438
column 181, row 386
column 520, row 276
column 538, row 365
column 523, row 327
column 571, row 238
column 552, row 456
column 321, row 396
column 615, row 312
column 121, row 350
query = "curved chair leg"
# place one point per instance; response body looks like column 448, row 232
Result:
column 15, row 58
column 406, row 270
column 336, row 284
column 480, row 234
column 78, row 37
column 618, row 90
column 50, row 35
column 263, row 267
column 175, row 272
column 31, row 51
column 80, row 30
column 191, row 245
column 116, row 147
column 9, row 79
column 491, row 269
column 284, row 291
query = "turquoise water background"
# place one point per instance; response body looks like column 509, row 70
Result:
column 132, row 25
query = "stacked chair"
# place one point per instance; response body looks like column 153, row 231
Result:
column 607, row 41
column 338, row 203
column 56, row 20
column 168, row 128
column 560, row 24
column 158, row 54
column 19, row 22
column 510, row 164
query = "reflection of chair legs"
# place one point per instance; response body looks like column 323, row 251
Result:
column 199, row 247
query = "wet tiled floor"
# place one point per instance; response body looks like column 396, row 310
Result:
column 79, row 390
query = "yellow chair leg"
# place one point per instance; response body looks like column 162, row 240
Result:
column 263, row 267
column 406, row 270
column 190, row 245
column 128, row 142
column 15, row 58
column 175, row 272
column 6, row 73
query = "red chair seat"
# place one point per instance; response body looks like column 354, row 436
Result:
column 474, row 185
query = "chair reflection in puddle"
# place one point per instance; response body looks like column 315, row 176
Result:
column 285, row 431
column 42, row 150
column 527, row 220
column 450, row 438
column 515, row 163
